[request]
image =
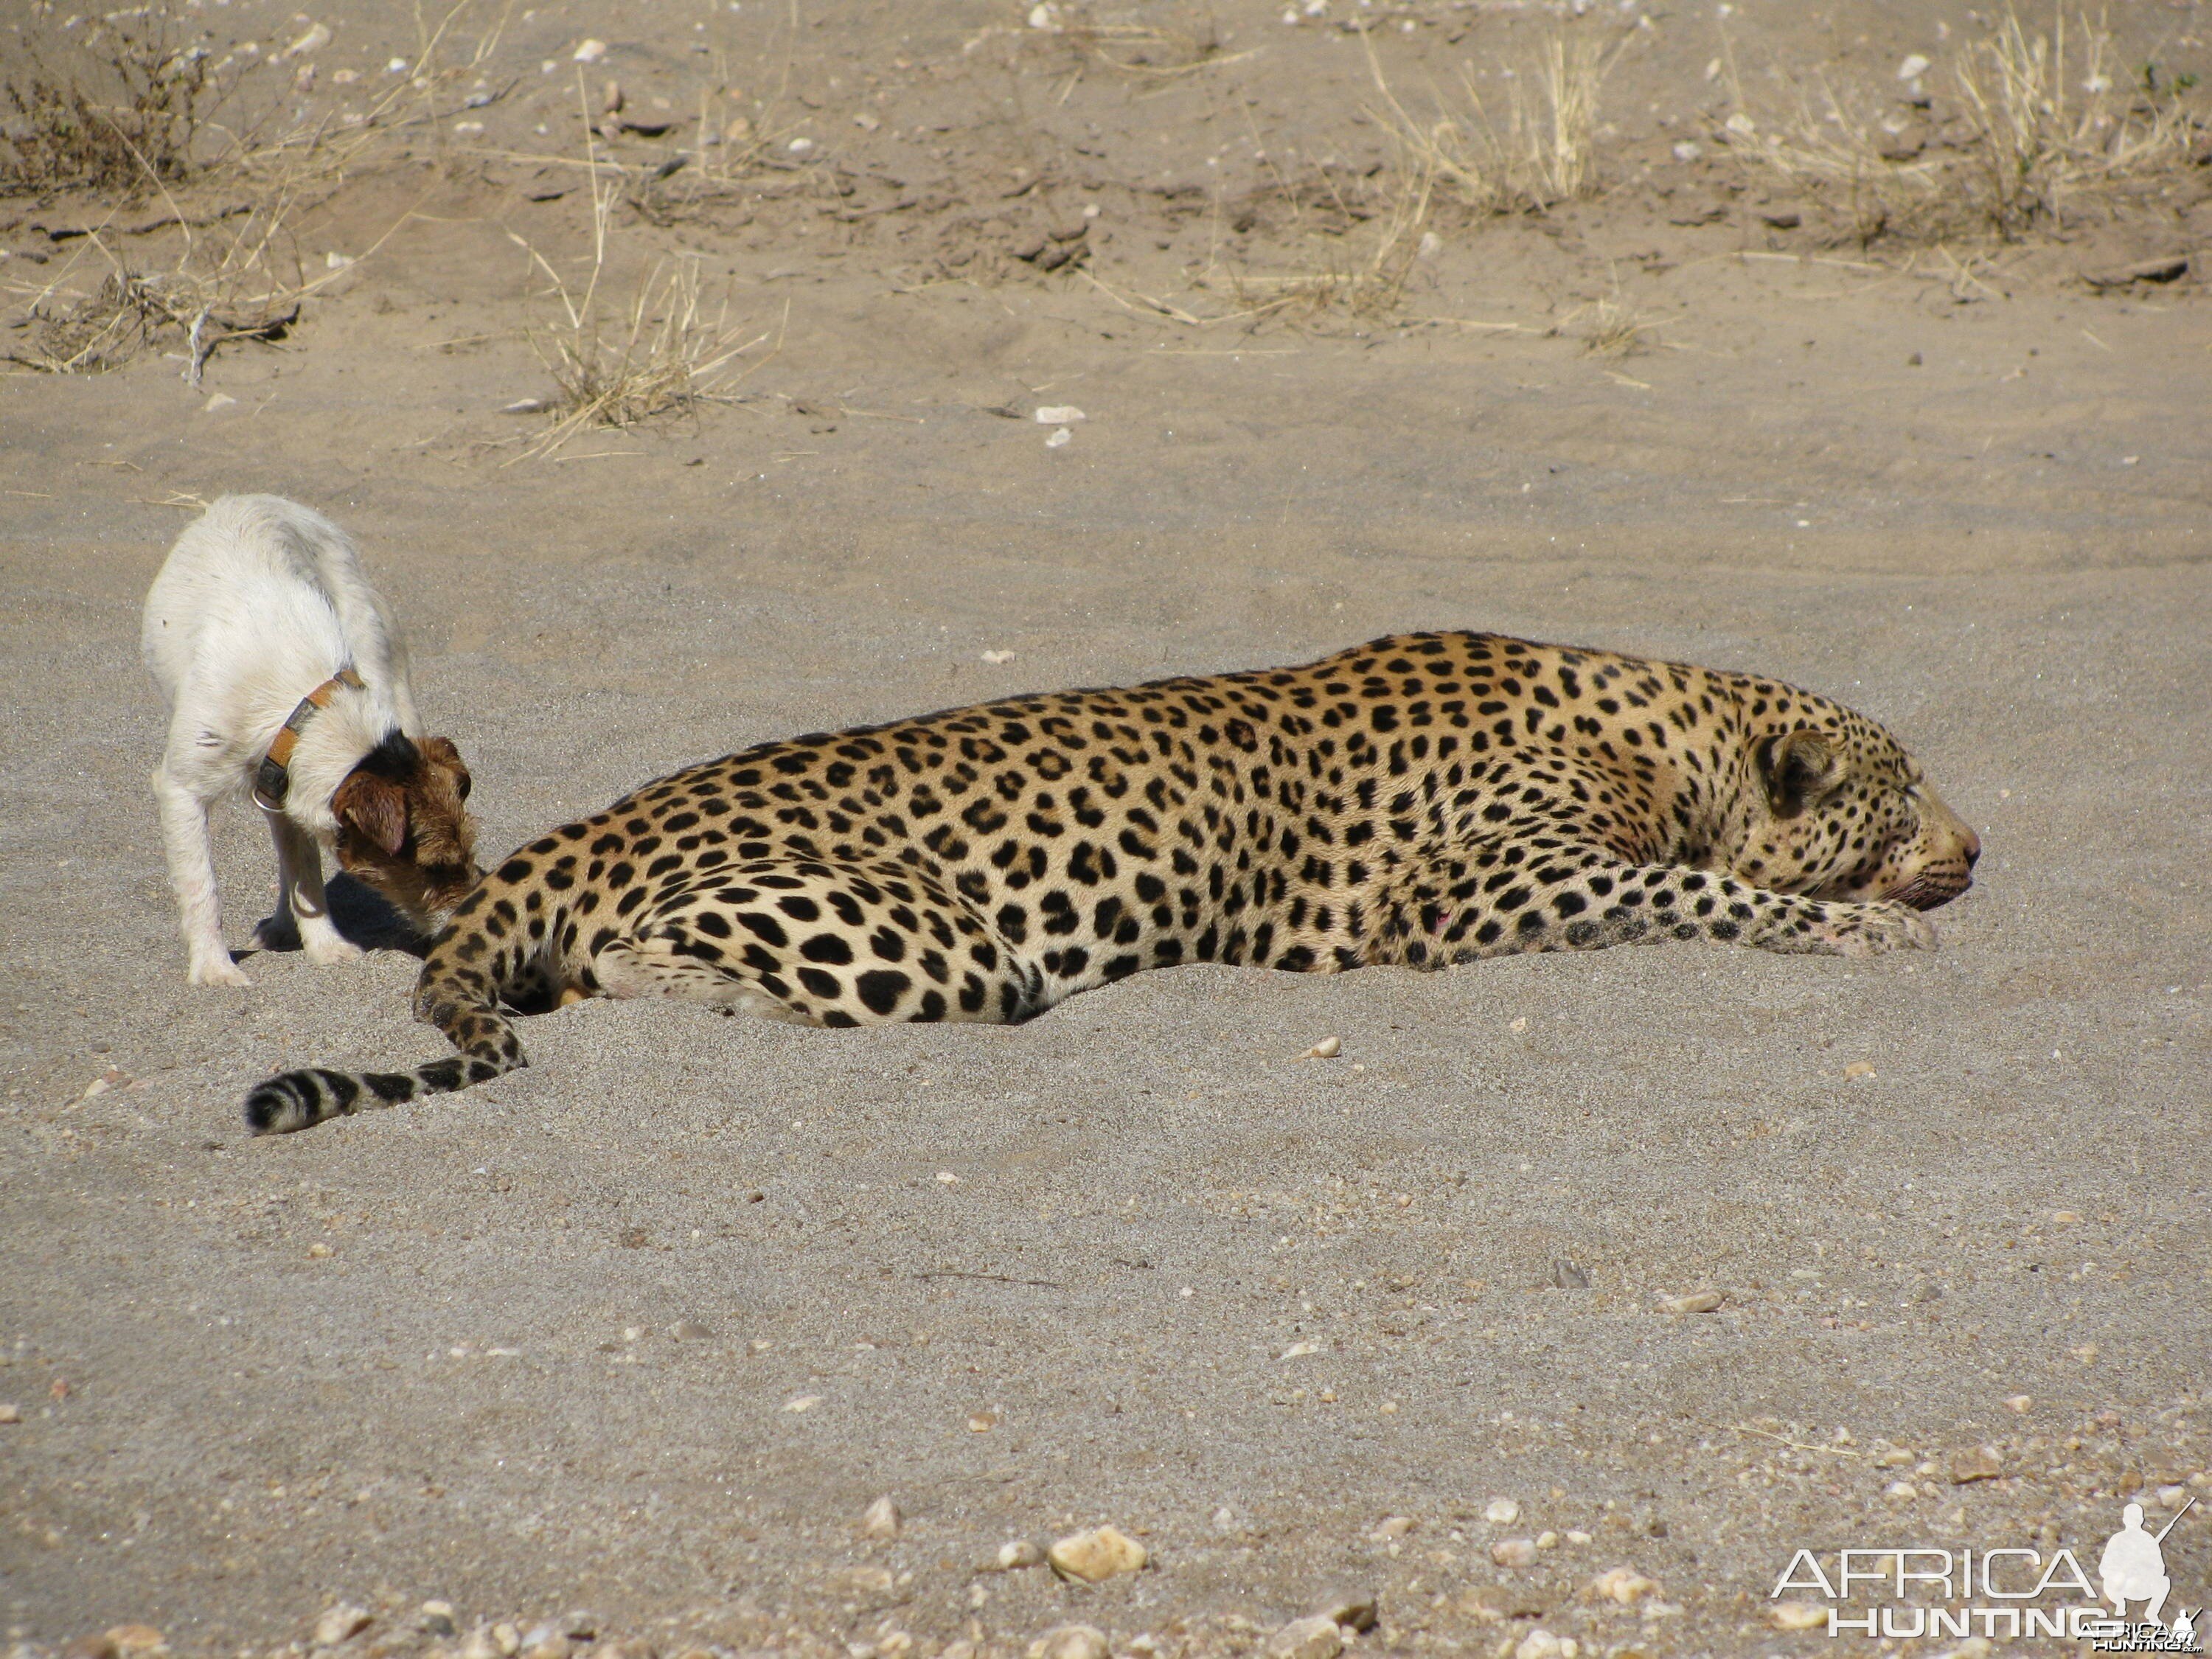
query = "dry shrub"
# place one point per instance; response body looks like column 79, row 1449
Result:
column 2039, row 127
column 618, row 364
column 238, row 279
column 111, row 104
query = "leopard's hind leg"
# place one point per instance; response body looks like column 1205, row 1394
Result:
column 822, row 943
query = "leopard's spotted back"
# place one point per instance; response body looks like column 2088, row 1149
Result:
column 1421, row 800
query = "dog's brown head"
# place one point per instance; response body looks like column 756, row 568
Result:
column 404, row 829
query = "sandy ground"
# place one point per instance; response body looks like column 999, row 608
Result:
column 545, row 1347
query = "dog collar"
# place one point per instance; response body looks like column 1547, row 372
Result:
column 272, row 779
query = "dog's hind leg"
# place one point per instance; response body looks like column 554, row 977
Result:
column 302, row 910
column 191, row 873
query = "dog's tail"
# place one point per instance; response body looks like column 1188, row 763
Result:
column 462, row 1003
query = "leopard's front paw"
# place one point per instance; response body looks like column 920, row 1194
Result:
column 1868, row 930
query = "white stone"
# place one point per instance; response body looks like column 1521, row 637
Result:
column 1070, row 1642
column 1502, row 1512
column 1103, row 1553
column 1316, row 1638
column 345, row 1619
column 1623, row 1584
column 1514, row 1553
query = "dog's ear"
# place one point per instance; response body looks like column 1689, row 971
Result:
column 375, row 806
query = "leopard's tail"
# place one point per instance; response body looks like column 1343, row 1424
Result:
column 464, row 1005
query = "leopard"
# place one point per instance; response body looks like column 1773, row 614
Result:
column 1424, row 800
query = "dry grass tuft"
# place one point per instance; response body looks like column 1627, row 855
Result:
column 2037, row 128
column 1455, row 166
column 619, row 364
column 1544, row 152
column 1612, row 329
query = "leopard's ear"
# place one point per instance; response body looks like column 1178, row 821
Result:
column 375, row 806
column 1801, row 766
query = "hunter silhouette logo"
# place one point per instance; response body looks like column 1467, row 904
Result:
column 2133, row 1565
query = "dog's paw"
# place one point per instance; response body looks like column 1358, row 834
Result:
column 219, row 971
column 328, row 949
column 277, row 932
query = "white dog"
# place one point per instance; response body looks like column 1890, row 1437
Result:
column 286, row 676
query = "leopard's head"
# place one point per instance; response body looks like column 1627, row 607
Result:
column 1839, row 811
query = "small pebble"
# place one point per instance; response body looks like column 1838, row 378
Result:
column 318, row 1251
column 982, row 1422
column 1058, row 414
column 11, row 1412
column 1314, row 1637
column 805, row 1402
column 1353, row 1609
column 1061, row 438
column 994, row 657
column 1328, row 1049
column 1095, row 1556
column 1687, row 151
column 591, row 51
column 132, row 1641
column 1514, row 1553
column 1070, row 1642
column 1623, row 1584
column 220, row 400
column 1017, row 1554
column 436, row 1618
column 1859, row 1067
column 337, row 1623
column 1797, row 1615
column 1392, row 1526
column 1900, row 1489
column 1547, row 1541
column 801, row 146
column 1913, row 68
column 881, row 1519
column 1695, row 1303
column 689, row 1330
column 1975, row 1463
column 2018, row 1402
column 1578, row 1538
column 1540, row 1643
column 1502, row 1512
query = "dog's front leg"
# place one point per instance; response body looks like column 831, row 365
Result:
column 302, row 900
column 191, row 873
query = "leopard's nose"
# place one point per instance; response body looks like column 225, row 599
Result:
column 1973, row 850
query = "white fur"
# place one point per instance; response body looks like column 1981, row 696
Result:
column 260, row 602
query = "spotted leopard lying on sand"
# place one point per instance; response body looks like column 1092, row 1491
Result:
column 1424, row 799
